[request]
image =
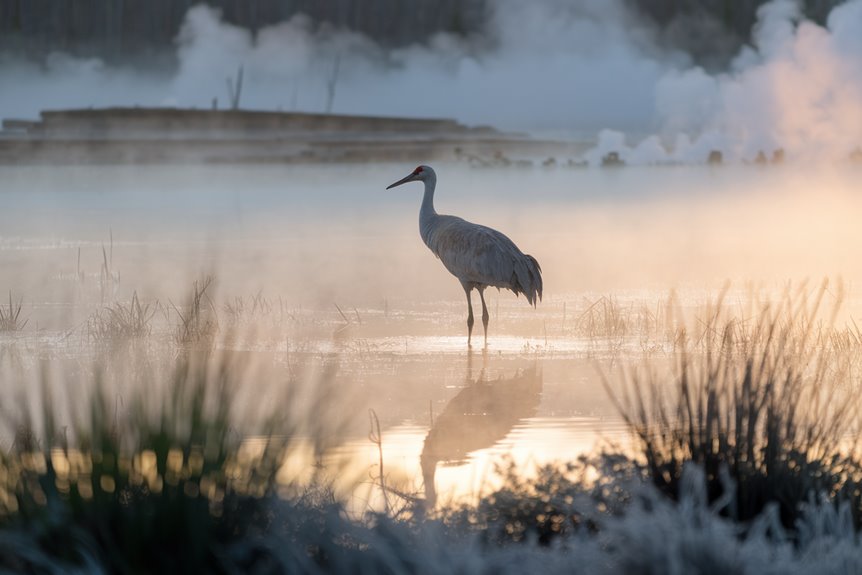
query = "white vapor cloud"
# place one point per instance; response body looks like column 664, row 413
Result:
column 547, row 66
column 798, row 88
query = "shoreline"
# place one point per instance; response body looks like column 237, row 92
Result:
column 180, row 136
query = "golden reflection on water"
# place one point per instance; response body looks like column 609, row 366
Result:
column 479, row 416
column 532, row 441
column 489, row 420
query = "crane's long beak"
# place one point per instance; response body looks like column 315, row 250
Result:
column 402, row 181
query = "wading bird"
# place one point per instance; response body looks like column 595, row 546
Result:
column 477, row 255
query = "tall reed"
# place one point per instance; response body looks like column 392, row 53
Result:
column 177, row 481
column 761, row 404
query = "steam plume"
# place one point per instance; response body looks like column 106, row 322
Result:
column 548, row 67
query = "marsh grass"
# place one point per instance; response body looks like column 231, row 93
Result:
column 245, row 310
column 602, row 318
column 765, row 406
column 198, row 319
column 607, row 318
column 10, row 317
column 169, row 485
column 121, row 322
column 743, row 460
column 109, row 278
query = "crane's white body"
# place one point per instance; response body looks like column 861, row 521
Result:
column 477, row 255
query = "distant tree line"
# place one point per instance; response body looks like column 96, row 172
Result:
column 121, row 28
column 714, row 30
column 737, row 16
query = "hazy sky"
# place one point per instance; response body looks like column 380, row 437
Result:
column 544, row 66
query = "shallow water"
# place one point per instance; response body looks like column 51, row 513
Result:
column 321, row 264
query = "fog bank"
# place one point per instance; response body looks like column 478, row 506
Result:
column 546, row 67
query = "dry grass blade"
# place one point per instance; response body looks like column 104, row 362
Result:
column 10, row 317
column 199, row 323
column 241, row 310
column 606, row 317
column 109, row 280
column 119, row 322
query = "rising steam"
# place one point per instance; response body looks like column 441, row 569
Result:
column 545, row 67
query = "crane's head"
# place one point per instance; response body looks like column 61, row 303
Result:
column 421, row 173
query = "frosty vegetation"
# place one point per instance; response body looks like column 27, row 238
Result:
column 744, row 461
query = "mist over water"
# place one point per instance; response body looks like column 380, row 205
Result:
column 321, row 235
column 547, row 67
column 223, row 340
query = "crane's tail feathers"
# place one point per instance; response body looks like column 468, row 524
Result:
column 528, row 279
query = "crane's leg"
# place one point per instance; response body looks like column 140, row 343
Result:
column 484, row 313
column 467, row 289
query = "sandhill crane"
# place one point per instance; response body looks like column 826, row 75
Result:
column 477, row 255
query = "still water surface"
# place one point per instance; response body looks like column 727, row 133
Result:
column 339, row 273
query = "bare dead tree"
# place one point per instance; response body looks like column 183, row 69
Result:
column 234, row 91
column 332, row 83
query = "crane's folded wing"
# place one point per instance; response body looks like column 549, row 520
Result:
column 481, row 255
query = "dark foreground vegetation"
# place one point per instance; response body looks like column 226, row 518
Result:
column 744, row 461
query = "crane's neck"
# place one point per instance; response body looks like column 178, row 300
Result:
column 427, row 214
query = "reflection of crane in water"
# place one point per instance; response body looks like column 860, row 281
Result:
column 480, row 415
column 477, row 255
